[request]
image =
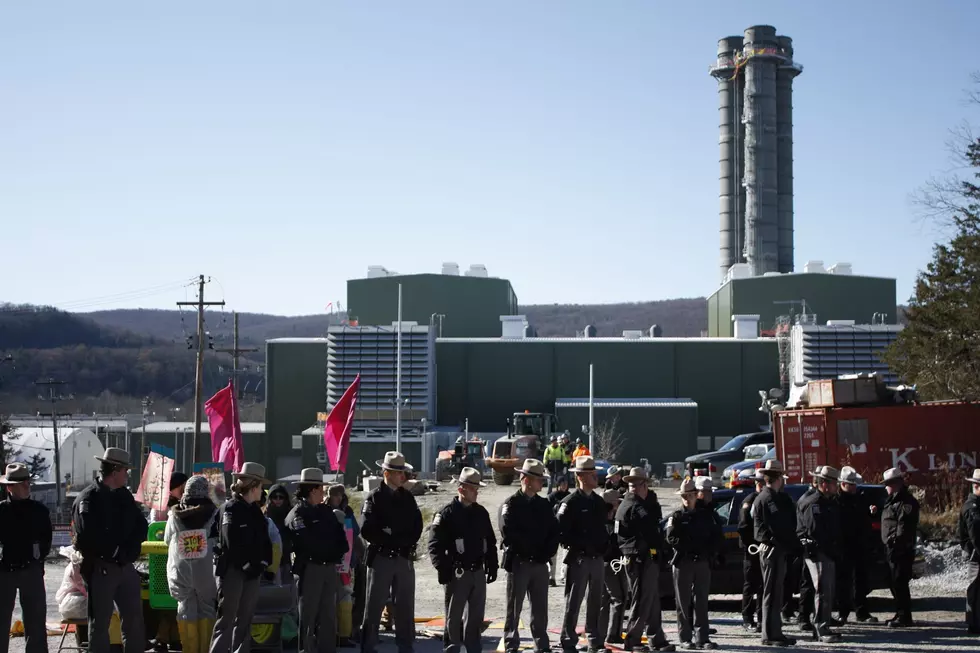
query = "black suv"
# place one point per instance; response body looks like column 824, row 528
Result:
column 726, row 576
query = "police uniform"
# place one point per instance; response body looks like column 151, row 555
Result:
column 641, row 542
column 899, row 521
column 109, row 533
column 243, row 552
column 529, row 534
column 25, row 541
column 582, row 522
column 695, row 536
column 392, row 528
column 555, row 497
column 319, row 543
column 751, row 569
column 616, row 588
column 969, row 536
column 853, row 567
column 818, row 528
column 463, row 549
column 805, row 585
column 774, row 518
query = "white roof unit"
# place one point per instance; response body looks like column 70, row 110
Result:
column 840, row 268
column 477, row 270
column 813, row 267
column 376, row 271
column 452, row 269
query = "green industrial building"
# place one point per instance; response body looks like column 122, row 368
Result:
column 827, row 296
column 457, row 306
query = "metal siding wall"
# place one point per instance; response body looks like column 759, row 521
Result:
column 626, row 369
column 713, row 315
column 472, row 305
column 506, row 378
column 726, row 308
column 296, row 376
column 760, row 371
column 708, row 373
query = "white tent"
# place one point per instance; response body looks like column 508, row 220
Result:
column 78, row 450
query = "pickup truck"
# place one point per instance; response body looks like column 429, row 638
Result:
column 713, row 462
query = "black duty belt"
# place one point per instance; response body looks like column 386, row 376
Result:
column 460, row 567
column 388, row 552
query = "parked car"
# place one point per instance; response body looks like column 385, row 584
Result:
column 711, row 464
column 734, row 470
column 726, row 575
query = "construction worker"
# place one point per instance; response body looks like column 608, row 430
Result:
column 319, row 544
column 555, row 497
column 463, row 549
column 695, row 536
column 392, row 527
column 569, row 447
column 244, row 551
column 774, row 518
column 641, row 544
column 25, row 541
column 529, row 534
column 818, row 528
column 554, row 461
column 110, row 530
column 969, row 534
column 582, row 522
column 899, row 521
column 580, row 450
column 853, row 578
column 751, row 570
column 191, row 535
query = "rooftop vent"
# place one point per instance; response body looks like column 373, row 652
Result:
column 746, row 327
column 477, row 270
column 813, row 267
column 451, row 269
column 375, row 271
column 840, row 268
column 589, row 331
column 633, row 333
column 513, row 326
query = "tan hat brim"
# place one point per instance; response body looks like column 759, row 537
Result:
column 584, row 471
column 5, row 481
column 251, row 477
column 477, row 484
column 975, row 481
column 543, row 474
column 634, row 479
column 117, row 463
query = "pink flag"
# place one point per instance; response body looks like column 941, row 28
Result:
column 226, row 430
column 336, row 434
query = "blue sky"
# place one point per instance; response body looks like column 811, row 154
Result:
column 571, row 147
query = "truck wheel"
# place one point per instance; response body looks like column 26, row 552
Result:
column 442, row 470
column 502, row 478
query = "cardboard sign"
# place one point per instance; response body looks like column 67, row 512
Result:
column 192, row 544
column 154, row 489
column 215, row 473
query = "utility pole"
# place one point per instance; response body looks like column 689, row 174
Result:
column 145, row 404
column 51, row 384
column 199, row 380
column 3, row 459
column 235, row 351
column 398, row 376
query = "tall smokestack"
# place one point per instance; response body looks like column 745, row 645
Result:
column 755, row 84
column 731, row 137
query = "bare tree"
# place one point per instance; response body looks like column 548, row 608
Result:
column 609, row 440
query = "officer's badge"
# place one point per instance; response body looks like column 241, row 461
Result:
column 670, row 521
column 642, row 512
column 84, row 507
column 226, row 518
column 437, row 519
column 747, row 505
column 907, row 508
column 616, row 527
column 504, row 509
column 298, row 524
column 561, row 510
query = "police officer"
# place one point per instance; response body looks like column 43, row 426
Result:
column 244, row 551
column 392, row 527
column 110, row 530
column 529, row 534
column 641, row 543
column 853, row 580
column 899, row 521
column 969, row 534
column 806, row 587
column 463, row 550
column 582, row 522
column 555, row 497
column 695, row 536
column 774, row 518
column 616, row 588
column 319, row 544
column 818, row 528
column 25, row 541
column 751, row 569
column 615, row 481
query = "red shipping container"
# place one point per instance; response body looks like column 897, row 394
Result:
column 916, row 438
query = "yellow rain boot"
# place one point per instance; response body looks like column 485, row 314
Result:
column 345, row 623
column 205, row 628
column 188, row 635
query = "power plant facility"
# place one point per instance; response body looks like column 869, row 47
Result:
column 755, row 76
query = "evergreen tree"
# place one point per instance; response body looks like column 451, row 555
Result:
column 37, row 465
column 9, row 452
column 939, row 350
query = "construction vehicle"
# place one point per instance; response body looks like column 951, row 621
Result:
column 527, row 436
column 469, row 453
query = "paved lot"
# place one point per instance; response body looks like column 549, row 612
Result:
column 938, row 605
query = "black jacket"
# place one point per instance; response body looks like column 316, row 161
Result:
column 395, row 510
column 774, row 516
column 694, row 534
column 969, row 528
column 25, row 533
column 582, row 524
column 555, row 497
column 818, row 525
column 278, row 516
column 462, row 536
column 528, row 528
column 317, row 534
column 638, row 525
column 746, row 527
column 243, row 541
column 109, row 525
column 899, row 520
column 855, row 525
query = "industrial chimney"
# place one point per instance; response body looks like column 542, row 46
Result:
column 755, row 101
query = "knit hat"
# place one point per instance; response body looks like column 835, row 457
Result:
column 177, row 479
column 197, row 487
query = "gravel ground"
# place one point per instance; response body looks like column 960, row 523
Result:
column 939, row 603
